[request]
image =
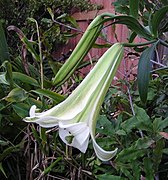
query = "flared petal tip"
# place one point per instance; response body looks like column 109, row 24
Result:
column 76, row 135
column 102, row 154
column 32, row 111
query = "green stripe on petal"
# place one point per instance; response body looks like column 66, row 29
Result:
column 77, row 115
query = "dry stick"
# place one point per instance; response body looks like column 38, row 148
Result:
column 129, row 95
column 160, row 64
column 79, row 30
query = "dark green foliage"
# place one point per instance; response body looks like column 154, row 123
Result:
column 4, row 54
column 139, row 131
column 17, row 13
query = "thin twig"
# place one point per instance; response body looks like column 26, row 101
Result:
column 129, row 95
column 67, row 26
column 158, row 63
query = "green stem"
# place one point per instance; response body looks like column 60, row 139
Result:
column 66, row 151
column 163, row 43
column 138, row 44
column 41, row 58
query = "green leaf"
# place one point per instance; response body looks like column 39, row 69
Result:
column 132, row 37
column 144, row 68
column 29, row 46
column 51, row 13
column 38, row 139
column 24, row 78
column 126, row 172
column 144, row 143
column 157, row 153
column 134, row 7
column 27, row 43
column 109, row 177
column 2, row 170
column 121, row 6
column 52, row 165
column 50, row 94
column 157, row 18
column 137, row 150
column 3, row 79
column 4, row 53
column 104, row 126
column 140, row 121
column 163, row 124
column 132, row 23
column 129, row 154
column 8, row 151
column 55, row 66
column 16, row 95
column 43, row 135
column 4, row 143
column 148, row 168
column 165, row 151
column 8, row 74
column 136, row 170
column 21, row 109
column 72, row 21
column 33, row 101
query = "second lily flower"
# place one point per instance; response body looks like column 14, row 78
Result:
column 77, row 115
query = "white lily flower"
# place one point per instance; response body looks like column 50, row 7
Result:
column 77, row 115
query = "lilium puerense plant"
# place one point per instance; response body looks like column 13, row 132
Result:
column 77, row 115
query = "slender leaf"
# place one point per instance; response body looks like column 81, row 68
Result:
column 140, row 121
column 157, row 18
column 144, row 68
column 30, row 48
column 4, row 54
column 2, row 170
column 132, row 23
column 28, row 44
column 129, row 154
column 21, row 109
column 52, row 165
column 8, row 151
column 157, row 153
column 8, row 74
column 3, row 79
column 50, row 94
column 132, row 37
column 24, row 78
column 16, row 95
column 136, row 170
column 4, row 143
column 135, row 151
column 160, row 124
column 43, row 135
column 148, row 168
column 126, row 172
column 109, row 177
column 134, row 7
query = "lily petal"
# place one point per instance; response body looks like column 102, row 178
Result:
column 101, row 153
column 79, row 133
column 77, row 115
column 32, row 111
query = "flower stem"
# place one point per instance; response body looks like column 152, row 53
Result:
column 138, row 44
column 40, row 55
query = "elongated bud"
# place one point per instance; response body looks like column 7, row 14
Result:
column 82, row 48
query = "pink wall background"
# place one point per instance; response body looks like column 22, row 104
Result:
column 128, row 65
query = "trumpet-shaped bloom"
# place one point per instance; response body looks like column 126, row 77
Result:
column 77, row 115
